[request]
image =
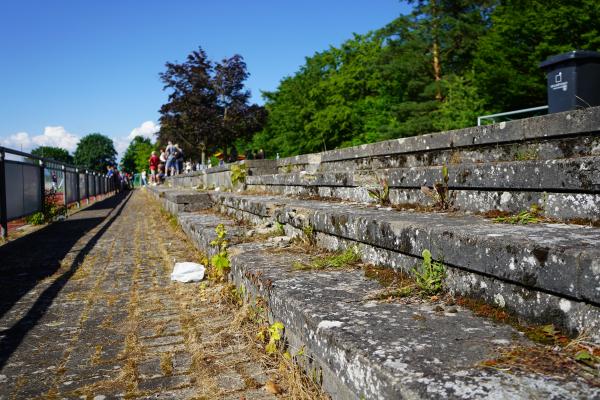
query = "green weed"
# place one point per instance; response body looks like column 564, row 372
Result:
column 279, row 231
column 239, row 173
column 382, row 194
column 429, row 276
column 442, row 198
column 532, row 216
column 220, row 261
column 343, row 259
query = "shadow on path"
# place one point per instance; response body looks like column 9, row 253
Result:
column 31, row 258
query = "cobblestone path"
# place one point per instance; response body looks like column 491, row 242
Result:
column 87, row 311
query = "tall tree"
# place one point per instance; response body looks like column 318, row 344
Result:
column 95, row 152
column 208, row 107
column 190, row 114
column 452, row 29
column 55, row 153
column 137, row 154
column 524, row 33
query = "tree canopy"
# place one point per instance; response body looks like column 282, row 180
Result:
column 55, row 153
column 437, row 68
column 208, row 106
column 137, row 154
column 95, row 152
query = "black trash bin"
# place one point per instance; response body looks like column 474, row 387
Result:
column 573, row 80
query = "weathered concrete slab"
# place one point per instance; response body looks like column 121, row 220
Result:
column 180, row 200
column 561, row 206
column 552, row 125
column 544, row 271
column 366, row 349
column 551, row 148
column 576, row 174
column 553, row 257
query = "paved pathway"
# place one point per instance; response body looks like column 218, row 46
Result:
column 87, row 311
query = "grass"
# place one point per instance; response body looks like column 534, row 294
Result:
column 532, row 216
column 344, row 259
column 218, row 324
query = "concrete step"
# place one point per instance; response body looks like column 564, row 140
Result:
column 548, row 273
column 567, row 189
column 365, row 349
column 534, row 149
column 581, row 175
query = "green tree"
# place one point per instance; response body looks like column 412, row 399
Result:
column 208, row 107
column 461, row 106
column 55, row 153
column 137, row 154
column 522, row 34
column 95, row 152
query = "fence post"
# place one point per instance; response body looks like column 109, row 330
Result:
column 3, row 216
column 77, row 190
column 87, row 188
column 42, row 184
column 65, row 194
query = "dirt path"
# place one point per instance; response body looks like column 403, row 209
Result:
column 88, row 311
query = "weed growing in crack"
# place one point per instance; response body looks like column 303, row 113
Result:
column 440, row 194
column 275, row 332
column 220, row 261
column 534, row 215
column 430, row 275
column 279, row 230
column 239, row 173
column 382, row 194
column 310, row 236
column 343, row 259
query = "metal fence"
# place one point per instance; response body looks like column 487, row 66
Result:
column 25, row 179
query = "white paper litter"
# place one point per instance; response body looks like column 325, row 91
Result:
column 187, row 272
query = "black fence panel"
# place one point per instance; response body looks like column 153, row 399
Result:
column 23, row 194
column 71, row 187
column 25, row 179
column 82, row 186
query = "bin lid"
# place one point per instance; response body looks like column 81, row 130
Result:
column 571, row 55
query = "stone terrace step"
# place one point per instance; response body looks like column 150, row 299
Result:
column 580, row 175
column 545, row 272
column 567, row 189
column 366, row 349
column 561, row 135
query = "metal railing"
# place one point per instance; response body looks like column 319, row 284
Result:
column 493, row 117
column 25, row 179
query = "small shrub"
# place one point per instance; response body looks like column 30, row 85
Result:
column 532, row 216
column 239, row 173
column 36, row 219
column 52, row 209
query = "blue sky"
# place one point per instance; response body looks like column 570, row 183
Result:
column 68, row 68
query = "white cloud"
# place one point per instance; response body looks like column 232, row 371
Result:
column 18, row 141
column 56, row 136
column 147, row 129
column 121, row 145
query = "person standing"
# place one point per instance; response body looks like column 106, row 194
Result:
column 143, row 178
column 171, row 160
column 178, row 153
column 154, row 161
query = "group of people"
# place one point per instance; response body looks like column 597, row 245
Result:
column 169, row 163
column 122, row 180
